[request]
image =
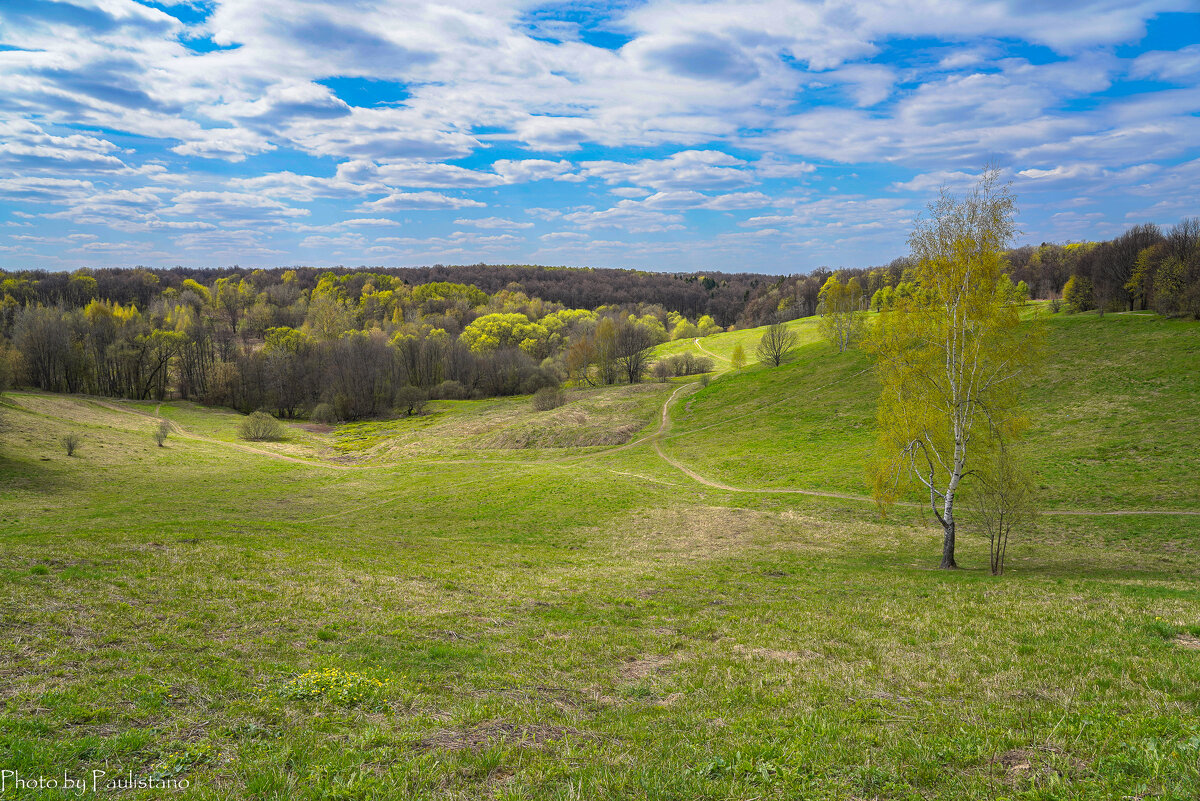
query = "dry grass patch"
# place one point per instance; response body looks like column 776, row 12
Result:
column 702, row 533
column 496, row 732
column 774, row 654
column 1032, row 766
column 1187, row 641
column 638, row 668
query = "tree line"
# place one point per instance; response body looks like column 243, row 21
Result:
column 1145, row 268
column 360, row 344
column 721, row 296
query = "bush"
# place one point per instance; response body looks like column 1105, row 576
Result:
column 548, row 398
column 410, row 401
column 1055, row 305
column 72, row 442
column 161, row 431
column 260, row 427
column 449, row 390
column 704, row 379
column 324, row 414
column 1078, row 294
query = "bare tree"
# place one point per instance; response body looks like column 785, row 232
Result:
column 633, row 345
column 776, row 344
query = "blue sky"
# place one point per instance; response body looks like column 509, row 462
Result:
column 734, row 135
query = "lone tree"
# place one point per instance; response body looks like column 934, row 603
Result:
column 842, row 309
column 737, row 359
column 952, row 358
column 161, row 431
column 776, row 344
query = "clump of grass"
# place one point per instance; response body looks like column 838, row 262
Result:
column 260, row 427
column 339, row 687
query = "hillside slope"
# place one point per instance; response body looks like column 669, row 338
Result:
column 1114, row 416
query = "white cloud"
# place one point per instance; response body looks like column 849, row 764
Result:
column 1169, row 65
column 493, row 222
column 688, row 169
column 419, row 200
column 232, row 206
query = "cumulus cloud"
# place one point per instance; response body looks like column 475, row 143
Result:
column 271, row 115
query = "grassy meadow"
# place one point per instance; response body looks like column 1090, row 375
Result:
column 492, row 602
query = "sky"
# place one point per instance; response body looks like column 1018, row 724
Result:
column 735, row 135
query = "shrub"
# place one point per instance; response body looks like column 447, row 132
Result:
column 548, row 398
column 1055, row 305
column 704, row 379
column 410, row 401
column 1078, row 294
column 324, row 414
column 161, row 431
column 449, row 390
column 260, row 427
column 661, row 370
column 72, row 442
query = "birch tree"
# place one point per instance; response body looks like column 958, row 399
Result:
column 842, row 310
column 951, row 358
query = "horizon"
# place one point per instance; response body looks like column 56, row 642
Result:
column 771, row 138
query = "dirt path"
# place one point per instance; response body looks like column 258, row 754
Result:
column 696, row 342
column 664, row 425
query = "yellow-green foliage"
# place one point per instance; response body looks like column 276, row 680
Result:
column 1077, row 294
column 494, row 331
column 337, row 686
column 841, row 307
column 737, row 359
column 953, row 359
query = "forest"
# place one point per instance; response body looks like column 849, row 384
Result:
column 359, row 343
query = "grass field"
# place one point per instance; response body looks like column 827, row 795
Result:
column 490, row 602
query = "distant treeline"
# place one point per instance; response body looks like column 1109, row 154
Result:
column 721, row 296
column 1144, row 268
column 359, row 343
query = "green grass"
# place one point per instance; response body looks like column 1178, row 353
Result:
column 721, row 345
column 1114, row 414
column 456, row 619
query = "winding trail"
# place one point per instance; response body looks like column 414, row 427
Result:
column 696, row 341
column 661, row 433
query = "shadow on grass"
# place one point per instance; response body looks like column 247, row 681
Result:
column 31, row 475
